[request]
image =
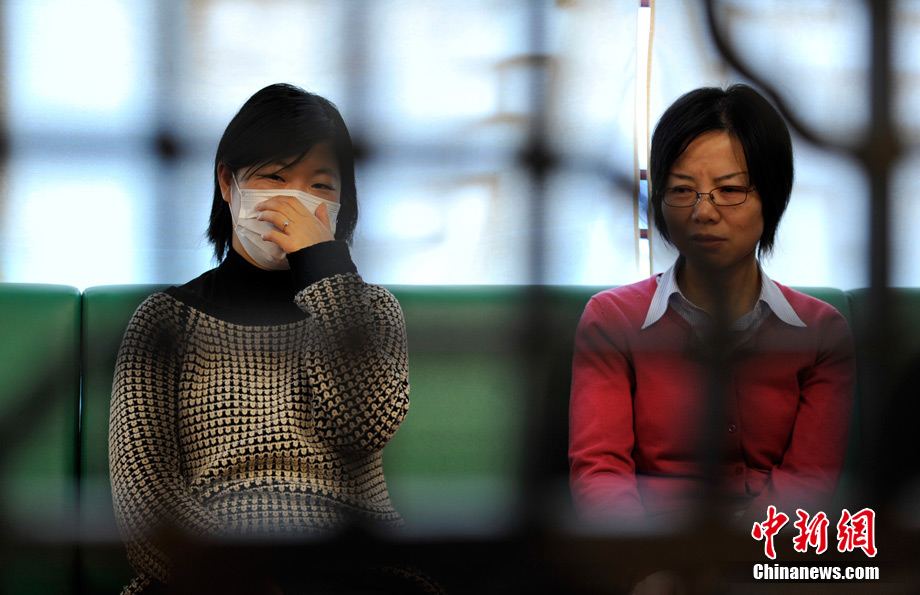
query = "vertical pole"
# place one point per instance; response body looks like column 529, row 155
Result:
column 538, row 159
column 878, row 154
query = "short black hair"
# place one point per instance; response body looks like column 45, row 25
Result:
column 745, row 114
column 277, row 122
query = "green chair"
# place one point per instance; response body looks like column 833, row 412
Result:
column 891, row 362
column 488, row 406
column 904, row 314
column 106, row 312
column 39, row 397
column 455, row 463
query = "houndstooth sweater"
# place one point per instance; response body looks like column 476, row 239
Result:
column 251, row 402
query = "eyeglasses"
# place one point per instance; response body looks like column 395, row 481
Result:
column 723, row 196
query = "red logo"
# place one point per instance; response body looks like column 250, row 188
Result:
column 812, row 533
column 854, row 531
column 857, row 531
column 768, row 529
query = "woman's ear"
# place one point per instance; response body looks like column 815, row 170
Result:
column 225, row 179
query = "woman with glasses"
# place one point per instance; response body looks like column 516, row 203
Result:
column 711, row 388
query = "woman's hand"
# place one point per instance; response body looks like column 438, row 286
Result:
column 297, row 227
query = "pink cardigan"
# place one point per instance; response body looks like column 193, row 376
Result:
column 639, row 413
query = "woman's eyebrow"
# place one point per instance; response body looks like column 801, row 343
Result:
column 279, row 163
column 327, row 171
column 729, row 176
column 681, row 176
column 674, row 174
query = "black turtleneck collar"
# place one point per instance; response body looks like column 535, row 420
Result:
column 242, row 293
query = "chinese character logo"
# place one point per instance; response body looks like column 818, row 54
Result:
column 854, row 531
column 812, row 533
column 857, row 531
column 768, row 529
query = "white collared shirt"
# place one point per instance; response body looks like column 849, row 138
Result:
column 771, row 300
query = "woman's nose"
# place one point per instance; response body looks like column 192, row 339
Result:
column 705, row 210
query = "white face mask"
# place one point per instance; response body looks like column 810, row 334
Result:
column 249, row 230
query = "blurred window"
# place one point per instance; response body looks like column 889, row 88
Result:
column 500, row 142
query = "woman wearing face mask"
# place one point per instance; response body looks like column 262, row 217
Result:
column 256, row 399
column 711, row 385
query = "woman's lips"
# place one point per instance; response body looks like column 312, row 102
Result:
column 707, row 241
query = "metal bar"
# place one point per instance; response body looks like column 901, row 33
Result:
column 877, row 151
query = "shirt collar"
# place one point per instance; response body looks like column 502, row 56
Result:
column 667, row 285
column 770, row 295
column 773, row 297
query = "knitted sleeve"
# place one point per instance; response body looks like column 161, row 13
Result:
column 150, row 494
column 601, row 434
column 359, row 366
column 811, row 465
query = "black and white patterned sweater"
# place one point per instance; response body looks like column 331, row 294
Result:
column 251, row 402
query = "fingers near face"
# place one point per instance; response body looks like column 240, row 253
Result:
column 286, row 205
column 323, row 216
column 274, row 217
column 303, row 228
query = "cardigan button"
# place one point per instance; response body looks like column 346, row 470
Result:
column 732, row 428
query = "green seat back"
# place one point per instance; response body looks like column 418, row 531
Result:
column 480, row 388
column 488, row 407
column 456, row 460
column 889, row 418
column 835, row 297
column 39, row 397
column 106, row 312
column 904, row 313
